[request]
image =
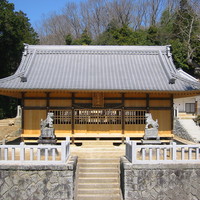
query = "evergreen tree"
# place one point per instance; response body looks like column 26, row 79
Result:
column 15, row 30
column 121, row 36
column 153, row 36
column 85, row 39
column 68, row 39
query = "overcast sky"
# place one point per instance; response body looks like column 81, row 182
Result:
column 36, row 8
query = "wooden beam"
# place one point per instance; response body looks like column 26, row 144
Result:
column 172, row 111
column 89, row 98
column 72, row 101
column 44, row 108
column 159, row 108
column 60, row 108
column 50, row 98
column 35, row 107
column 123, row 115
column 69, row 108
column 147, row 103
column 47, row 101
column 22, row 102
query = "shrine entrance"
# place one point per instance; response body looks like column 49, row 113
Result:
column 98, row 121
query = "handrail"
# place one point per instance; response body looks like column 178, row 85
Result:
column 37, row 154
column 154, row 154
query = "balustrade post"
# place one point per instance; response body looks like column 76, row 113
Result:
column 63, row 151
column 134, row 152
column 127, row 139
column 174, row 151
column 22, row 151
column 68, row 145
column 127, row 148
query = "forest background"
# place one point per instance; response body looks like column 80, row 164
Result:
column 103, row 22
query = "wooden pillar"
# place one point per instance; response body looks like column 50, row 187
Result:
column 47, row 102
column 123, row 115
column 147, row 103
column 22, row 118
column 72, row 127
column 172, row 111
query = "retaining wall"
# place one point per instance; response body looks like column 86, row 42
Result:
column 37, row 182
column 160, row 181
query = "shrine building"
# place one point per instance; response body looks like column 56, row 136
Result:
column 97, row 91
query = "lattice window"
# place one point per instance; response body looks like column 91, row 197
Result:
column 98, row 116
column 62, row 116
column 134, row 116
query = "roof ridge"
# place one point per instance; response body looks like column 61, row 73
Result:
column 166, row 69
column 9, row 78
column 95, row 47
column 193, row 83
column 124, row 52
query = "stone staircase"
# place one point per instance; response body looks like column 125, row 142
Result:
column 190, row 126
column 98, row 173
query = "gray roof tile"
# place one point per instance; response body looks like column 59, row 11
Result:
column 137, row 68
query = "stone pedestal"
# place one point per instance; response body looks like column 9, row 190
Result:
column 47, row 136
column 151, row 133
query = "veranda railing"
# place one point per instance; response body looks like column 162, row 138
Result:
column 172, row 153
column 38, row 154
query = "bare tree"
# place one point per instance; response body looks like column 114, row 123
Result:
column 155, row 7
column 188, row 29
column 95, row 16
column 140, row 14
column 121, row 11
column 53, row 29
column 72, row 14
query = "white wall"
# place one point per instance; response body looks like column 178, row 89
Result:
column 180, row 102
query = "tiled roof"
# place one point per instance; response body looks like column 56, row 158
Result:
column 136, row 68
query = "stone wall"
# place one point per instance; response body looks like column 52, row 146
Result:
column 37, row 182
column 160, row 181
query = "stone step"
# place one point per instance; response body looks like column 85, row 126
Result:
column 98, row 165
column 97, row 143
column 97, row 175
column 99, row 191
column 99, row 197
column 105, row 153
column 99, row 180
column 102, row 147
column 98, row 160
column 98, row 185
column 98, row 156
column 99, row 170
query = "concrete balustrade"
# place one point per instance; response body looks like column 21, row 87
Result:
column 172, row 153
column 41, row 154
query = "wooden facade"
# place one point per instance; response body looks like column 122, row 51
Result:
column 114, row 114
column 98, row 91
